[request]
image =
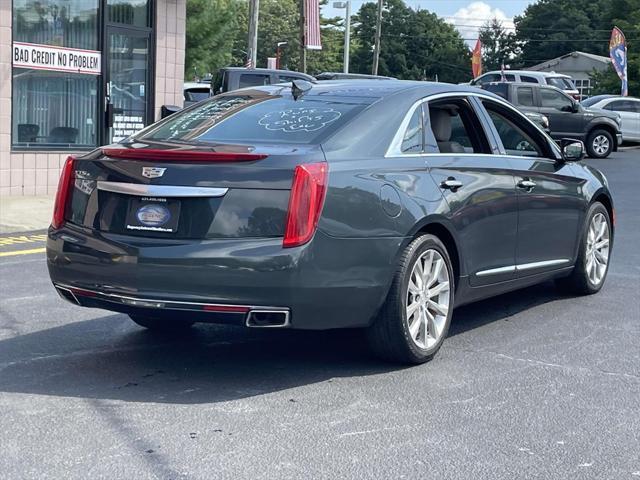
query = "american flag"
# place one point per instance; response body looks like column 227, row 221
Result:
column 312, row 25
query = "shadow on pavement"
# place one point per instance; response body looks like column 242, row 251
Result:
column 110, row 358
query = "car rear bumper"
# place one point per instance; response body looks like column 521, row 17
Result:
column 328, row 283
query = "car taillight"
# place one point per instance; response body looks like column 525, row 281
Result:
column 305, row 203
column 62, row 195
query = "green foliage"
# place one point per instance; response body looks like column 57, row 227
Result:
column 210, row 29
column 498, row 46
column 416, row 44
column 551, row 28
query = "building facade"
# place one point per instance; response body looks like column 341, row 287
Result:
column 77, row 74
column 579, row 66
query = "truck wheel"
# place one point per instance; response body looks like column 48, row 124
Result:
column 599, row 144
column 414, row 320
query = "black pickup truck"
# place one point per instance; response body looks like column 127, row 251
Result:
column 598, row 129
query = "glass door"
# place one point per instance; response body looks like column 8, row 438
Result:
column 127, row 95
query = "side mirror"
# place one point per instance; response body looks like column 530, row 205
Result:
column 167, row 110
column 572, row 150
column 575, row 107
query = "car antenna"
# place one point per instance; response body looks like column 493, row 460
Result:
column 299, row 88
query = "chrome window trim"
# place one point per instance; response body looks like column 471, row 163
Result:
column 145, row 190
column 395, row 147
column 522, row 267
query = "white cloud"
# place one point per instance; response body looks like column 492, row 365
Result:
column 469, row 19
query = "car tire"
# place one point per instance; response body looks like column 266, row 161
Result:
column 599, row 144
column 162, row 324
column 394, row 335
column 590, row 271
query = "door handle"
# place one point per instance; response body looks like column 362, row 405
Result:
column 451, row 184
column 526, row 184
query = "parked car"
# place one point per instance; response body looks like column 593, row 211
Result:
column 627, row 107
column 558, row 80
column 195, row 92
column 350, row 76
column 233, row 78
column 382, row 206
column 599, row 129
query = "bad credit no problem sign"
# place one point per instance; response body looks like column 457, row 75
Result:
column 47, row 57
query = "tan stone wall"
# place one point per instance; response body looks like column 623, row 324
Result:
column 36, row 173
column 170, row 40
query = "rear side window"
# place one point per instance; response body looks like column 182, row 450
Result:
column 456, row 128
column 525, row 96
column 412, row 140
column 257, row 118
column 622, row 106
column 498, row 88
column 528, row 79
column 253, row 80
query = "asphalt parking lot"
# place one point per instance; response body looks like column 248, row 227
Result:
column 532, row 384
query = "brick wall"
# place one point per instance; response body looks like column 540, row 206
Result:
column 36, row 173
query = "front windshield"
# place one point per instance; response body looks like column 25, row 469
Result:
column 256, row 117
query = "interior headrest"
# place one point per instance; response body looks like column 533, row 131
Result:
column 440, row 124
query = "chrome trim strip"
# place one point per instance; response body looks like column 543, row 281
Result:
column 143, row 190
column 546, row 263
column 523, row 267
column 496, row 271
column 159, row 303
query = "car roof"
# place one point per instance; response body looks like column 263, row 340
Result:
column 371, row 88
column 532, row 73
column 342, row 75
column 203, row 85
column 266, row 70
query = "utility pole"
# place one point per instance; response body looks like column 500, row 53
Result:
column 252, row 49
column 303, row 36
column 376, row 52
column 347, row 36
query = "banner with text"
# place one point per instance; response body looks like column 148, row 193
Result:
column 61, row 59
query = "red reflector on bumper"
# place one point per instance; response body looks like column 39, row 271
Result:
column 225, row 308
column 180, row 155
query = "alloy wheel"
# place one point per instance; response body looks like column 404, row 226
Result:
column 597, row 255
column 427, row 302
column 601, row 144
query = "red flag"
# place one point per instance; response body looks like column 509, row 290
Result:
column 312, row 25
column 476, row 60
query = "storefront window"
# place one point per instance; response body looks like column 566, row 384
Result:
column 55, row 73
column 129, row 12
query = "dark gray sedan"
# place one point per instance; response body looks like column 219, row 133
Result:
column 380, row 205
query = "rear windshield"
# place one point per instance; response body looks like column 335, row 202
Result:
column 498, row 88
column 593, row 100
column 262, row 118
column 561, row 83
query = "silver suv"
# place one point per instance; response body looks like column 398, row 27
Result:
column 558, row 80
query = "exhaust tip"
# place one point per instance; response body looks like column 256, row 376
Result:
column 67, row 294
column 268, row 318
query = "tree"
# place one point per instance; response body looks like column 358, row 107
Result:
column 416, row 44
column 210, row 29
column 551, row 28
column 498, row 45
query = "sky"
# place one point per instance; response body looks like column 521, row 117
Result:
column 466, row 15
